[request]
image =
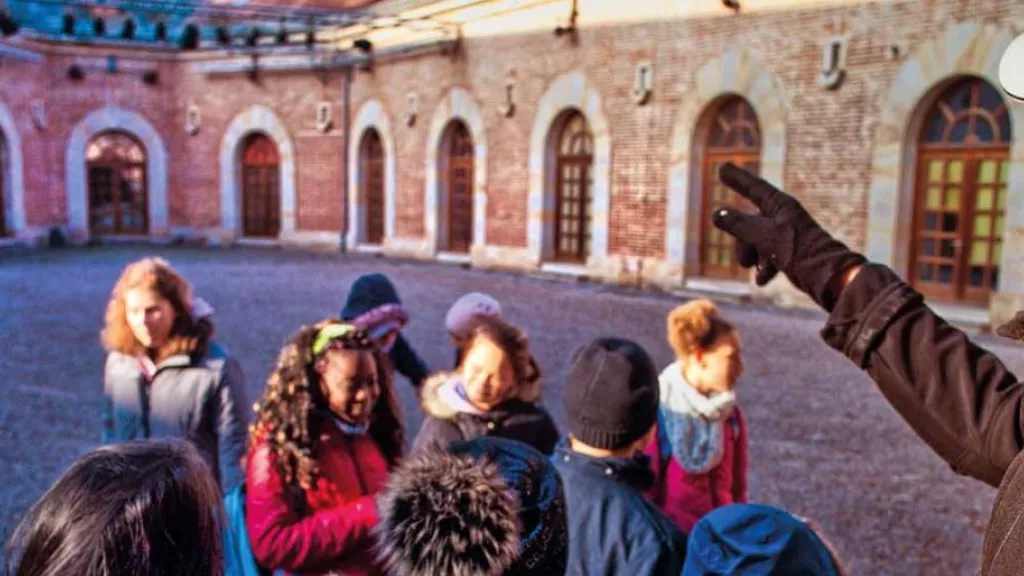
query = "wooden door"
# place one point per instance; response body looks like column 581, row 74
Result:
column 573, row 190
column 372, row 160
column 460, row 188
column 960, row 194
column 733, row 136
column 118, row 198
column 261, row 188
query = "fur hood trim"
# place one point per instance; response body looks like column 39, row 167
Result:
column 434, row 405
column 446, row 513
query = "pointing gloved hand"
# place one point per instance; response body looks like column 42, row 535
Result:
column 782, row 236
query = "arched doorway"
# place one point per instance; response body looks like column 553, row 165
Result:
column 371, row 160
column 456, row 176
column 574, row 181
column 261, row 187
column 118, row 199
column 960, row 193
column 732, row 134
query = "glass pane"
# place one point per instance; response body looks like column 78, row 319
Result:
column 931, row 221
column 925, row 272
column 979, row 253
column 984, row 130
column 935, row 128
column 987, row 172
column 1000, row 222
column 934, row 201
column 982, row 225
column 959, row 134
column 984, row 199
column 726, row 257
column 1004, row 171
column 977, row 276
column 956, row 171
column 928, row 247
column 988, row 98
column 953, row 198
column 946, row 274
column 1005, row 134
column 948, row 248
column 935, row 171
column 997, row 253
column 950, row 222
column 1002, row 199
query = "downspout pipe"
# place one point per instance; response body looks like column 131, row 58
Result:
column 346, row 136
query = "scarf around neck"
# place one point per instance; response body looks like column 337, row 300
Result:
column 693, row 423
column 453, row 393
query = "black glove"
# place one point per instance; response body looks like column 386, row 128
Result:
column 783, row 237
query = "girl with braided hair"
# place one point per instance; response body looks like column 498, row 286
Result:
column 326, row 436
column 700, row 454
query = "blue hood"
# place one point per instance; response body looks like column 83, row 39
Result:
column 753, row 539
column 368, row 292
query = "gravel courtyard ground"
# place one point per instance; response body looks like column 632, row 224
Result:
column 824, row 442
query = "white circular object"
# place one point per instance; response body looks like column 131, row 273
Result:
column 1011, row 69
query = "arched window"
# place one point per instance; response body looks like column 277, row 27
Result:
column 732, row 135
column 457, row 181
column 960, row 193
column 371, row 159
column 118, row 203
column 261, row 187
column 574, row 181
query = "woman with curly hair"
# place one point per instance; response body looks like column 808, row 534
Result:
column 327, row 435
column 164, row 375
column 495, row 391
column 700, row 454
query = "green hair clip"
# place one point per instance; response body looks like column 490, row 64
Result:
column 329, row 333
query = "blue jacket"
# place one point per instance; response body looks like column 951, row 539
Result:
column 613, row 528
column 371, row 291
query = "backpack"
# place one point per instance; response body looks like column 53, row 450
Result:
column 238, row 558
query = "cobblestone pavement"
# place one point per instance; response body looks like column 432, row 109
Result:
column 824, row 443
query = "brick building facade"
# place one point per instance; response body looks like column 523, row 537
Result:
column 590, row 152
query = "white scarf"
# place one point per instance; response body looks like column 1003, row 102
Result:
column 693, row 423
column 453, row 393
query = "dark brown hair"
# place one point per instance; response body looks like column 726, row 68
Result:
column 696, row 325
column 293, row 407
column 188, row 336
column 514, row 343
column 142, row 508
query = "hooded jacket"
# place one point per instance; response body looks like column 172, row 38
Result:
column 518, row 418
column 756, row 539
column 373, row 291
column 487, row 507
column 613, row 527
column 203, row 401
column 958, row 397
column 327, row 527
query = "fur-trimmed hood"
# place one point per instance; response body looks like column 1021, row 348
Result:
column 435, row 405
column 486, row 507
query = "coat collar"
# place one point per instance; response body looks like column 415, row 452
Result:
column 634, row 472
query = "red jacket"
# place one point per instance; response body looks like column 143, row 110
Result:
column 686, row 497
column 331, row 529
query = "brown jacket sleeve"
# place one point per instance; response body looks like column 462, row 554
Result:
column 957, row 396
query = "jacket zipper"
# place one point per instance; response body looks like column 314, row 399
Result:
column 355, row 466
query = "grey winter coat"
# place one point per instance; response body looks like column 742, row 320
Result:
column 204, row 402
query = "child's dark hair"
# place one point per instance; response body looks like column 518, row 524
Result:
column 514, row 343
column 696, row 325
column 142, row 508
column 293, row 406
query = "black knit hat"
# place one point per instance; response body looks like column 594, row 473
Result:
column 611, row 399
column 487, row 506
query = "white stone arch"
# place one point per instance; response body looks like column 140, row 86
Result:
column 371, row 114
column 733, row 73
column 13, row 175
column 570, row 91
column 457, row 105
column 963, row 49
column 255, row 119
column 76, row 183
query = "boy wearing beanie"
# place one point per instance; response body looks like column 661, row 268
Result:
column 611, row 404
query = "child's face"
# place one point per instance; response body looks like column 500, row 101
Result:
column 720, row 365
column 487, row 374
column 349, row 381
